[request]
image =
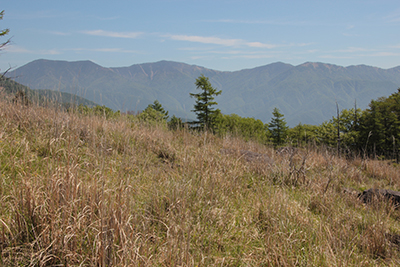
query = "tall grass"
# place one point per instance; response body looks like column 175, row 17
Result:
column 86, row 191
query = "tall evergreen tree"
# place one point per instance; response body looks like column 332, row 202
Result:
column 278, row 128
column 204, row 100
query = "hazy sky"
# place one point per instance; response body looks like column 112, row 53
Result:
column 217, row 34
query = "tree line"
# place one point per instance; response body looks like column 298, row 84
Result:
column 373, row 132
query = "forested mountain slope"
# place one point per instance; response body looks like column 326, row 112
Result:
column 11, row 88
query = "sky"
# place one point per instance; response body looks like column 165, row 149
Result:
column 225, row 35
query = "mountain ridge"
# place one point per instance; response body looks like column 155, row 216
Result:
column 305, row 93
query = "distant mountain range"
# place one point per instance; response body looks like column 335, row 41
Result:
column 305, row 93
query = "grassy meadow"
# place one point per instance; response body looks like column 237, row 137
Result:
column 83, row 190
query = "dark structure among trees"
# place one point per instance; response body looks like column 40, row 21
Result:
column 21, row 98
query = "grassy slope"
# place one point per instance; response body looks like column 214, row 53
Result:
column 93, row 192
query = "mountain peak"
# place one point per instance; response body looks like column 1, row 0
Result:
column 48, row 61
column 316, row 65
column 163, row 64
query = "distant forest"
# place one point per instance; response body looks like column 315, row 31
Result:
column 373, row 132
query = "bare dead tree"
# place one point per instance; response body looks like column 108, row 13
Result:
column 338, row 129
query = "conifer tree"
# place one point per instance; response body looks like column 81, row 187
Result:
column 154, row 113
column 278, row 128
column 204, row 100
column 158, row 107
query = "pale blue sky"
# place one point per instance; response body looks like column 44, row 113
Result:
column 218, row 34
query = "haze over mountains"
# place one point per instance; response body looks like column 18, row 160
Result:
column 305, row 93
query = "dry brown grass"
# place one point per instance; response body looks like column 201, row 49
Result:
column 86, row 191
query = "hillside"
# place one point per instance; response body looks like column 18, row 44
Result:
column 306, row 93
column 86, row 191
column 11, row 87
